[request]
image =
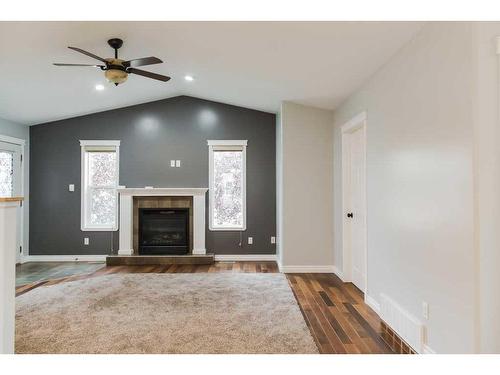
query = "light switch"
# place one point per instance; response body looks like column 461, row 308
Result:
column 250, row 240
column 71, row 187
column 273, row 239
column 172, row 163
column 86, row 241
column 178, row 163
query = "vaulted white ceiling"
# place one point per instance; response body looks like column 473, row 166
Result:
column 250, row 64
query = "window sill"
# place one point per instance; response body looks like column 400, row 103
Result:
column 99, row 229
column 242, row 229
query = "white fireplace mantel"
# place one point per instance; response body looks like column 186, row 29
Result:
column 126, row 214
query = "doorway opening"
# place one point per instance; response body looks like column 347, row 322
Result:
column 12, row 180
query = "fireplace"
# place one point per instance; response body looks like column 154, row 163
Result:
column 163, row 231
column 133, row 199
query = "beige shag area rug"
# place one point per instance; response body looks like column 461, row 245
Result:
column 163, row 313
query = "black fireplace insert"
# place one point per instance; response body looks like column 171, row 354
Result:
column 163, row 231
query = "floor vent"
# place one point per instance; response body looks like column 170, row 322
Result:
column 409, row 328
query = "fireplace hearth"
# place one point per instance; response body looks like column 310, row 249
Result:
column 163, row 231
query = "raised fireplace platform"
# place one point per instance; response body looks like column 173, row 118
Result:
column 158, row 260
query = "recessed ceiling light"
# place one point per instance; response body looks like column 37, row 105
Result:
column 189, row 78
column 99, row 87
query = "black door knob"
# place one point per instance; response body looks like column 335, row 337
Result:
column 350, row 214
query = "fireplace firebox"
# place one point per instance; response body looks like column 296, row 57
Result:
column 163, row 231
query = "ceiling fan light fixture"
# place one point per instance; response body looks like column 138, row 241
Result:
column 116, row 76
column 117, row 70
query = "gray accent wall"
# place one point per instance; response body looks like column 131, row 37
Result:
column 151, row 135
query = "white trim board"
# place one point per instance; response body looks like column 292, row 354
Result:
column 307, row 269
column 427, row 350
column 99, row 142
column 245, row 257
column 63, row 258
column 13, row 140
column 339, row 273
column 354, row 122
column 159, row 191
column 227, row 142
column 370, row 301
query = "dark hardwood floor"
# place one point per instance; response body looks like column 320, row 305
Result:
column 335, row 312
column 337, row 316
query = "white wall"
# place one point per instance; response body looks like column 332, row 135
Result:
column 488, row 185
column 420, row 182
column 12, row 129
column 307, row 185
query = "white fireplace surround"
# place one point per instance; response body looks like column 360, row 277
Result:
column 127, row 195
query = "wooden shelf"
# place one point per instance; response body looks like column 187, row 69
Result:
column 12, row 199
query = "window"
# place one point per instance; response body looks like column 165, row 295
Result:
column 227, row 185
column 100, row 167
column 11, row 176
column 6, row 172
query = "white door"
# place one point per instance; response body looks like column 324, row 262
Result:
column 355, row 206
column 11, row 181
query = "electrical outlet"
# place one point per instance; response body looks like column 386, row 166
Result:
column 86, row 241
column 273, row 239
column 425, row 310
column 178, row 163
column 71, row 187
column 172, row 163
column 250, row 240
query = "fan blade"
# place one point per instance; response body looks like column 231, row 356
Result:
column 88, row 54
column 143, row 73
column 62, row 64
column 142, row 61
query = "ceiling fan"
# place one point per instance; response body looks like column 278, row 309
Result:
column 117, row 70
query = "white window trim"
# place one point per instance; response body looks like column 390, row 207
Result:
column 227, row 145
column 97, row 143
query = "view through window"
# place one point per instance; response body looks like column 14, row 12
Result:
column 100, row 181
column 6, row 173
column 227, row 185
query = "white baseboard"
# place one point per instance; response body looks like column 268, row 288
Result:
column 339, row 273
column 199, row 251
column 125, row 252
column 279, row 263
column 427, row 350
column 306, row 269
column 63, row 258
column 370, row 301
column 245, row 257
